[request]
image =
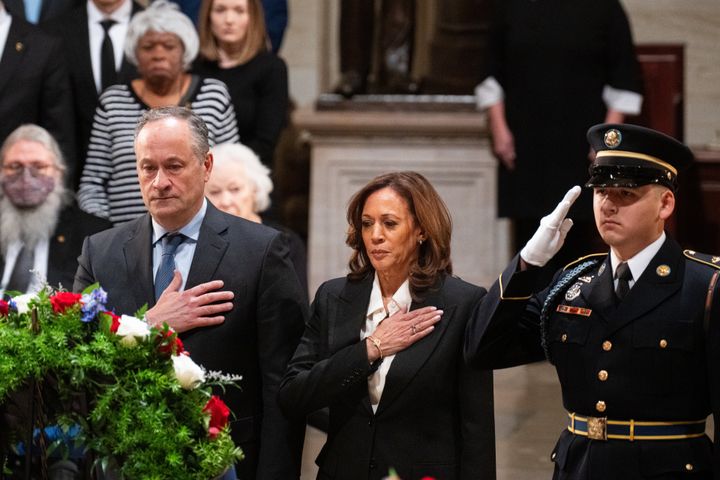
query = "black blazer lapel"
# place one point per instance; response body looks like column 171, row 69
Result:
column 15, row 49
column 59, row 252
column 138, row 261
column 81, row 51
column 409, row 361
column 210, row 248
column 349, row 319
column 651, row 289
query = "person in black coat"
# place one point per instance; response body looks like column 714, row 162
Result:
column 634, row 333
column 74, row 28
column 572, row 64
column 35, row 86
column 234, row 297
column 383, row 348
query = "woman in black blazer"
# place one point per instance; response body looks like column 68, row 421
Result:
column 383, row 348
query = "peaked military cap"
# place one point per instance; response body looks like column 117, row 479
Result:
column 632, row 156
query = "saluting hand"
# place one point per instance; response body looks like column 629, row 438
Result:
column 196, row 307
column 399, row 331
column 550, row 236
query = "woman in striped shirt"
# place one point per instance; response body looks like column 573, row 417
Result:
column 162, row 42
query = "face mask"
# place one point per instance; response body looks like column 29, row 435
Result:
column 25, row 190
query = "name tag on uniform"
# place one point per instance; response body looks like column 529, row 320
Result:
column 570, row 310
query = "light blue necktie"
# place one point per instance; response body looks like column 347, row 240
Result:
column 164, row 275
column 32, row 10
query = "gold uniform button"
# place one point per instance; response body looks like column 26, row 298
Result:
column 603, row 375
column 607, row 345
column 564, row 337
column 600, row 406
column 689, row 467
column 663, row 343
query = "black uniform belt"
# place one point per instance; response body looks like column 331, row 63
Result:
column 600, row 428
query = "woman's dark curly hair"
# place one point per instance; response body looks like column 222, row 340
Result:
column 429, row 213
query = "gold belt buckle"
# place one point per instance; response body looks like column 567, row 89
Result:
column 597, row 428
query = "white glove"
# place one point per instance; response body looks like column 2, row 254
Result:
column 550, row 236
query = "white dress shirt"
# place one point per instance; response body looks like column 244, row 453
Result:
column 376, row 313
column 639, row 262
column 117, row 35
column 186, row 250
column 40, row 264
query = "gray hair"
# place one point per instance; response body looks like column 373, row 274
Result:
column 256, row 172
column 165, row 17
column 34, row 133
column 198, row 128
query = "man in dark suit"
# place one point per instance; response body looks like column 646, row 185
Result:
column 634, row 333
column 82, row 37
column 40, row 228
column 34, row 84
column 224, row 265
column 44, row 9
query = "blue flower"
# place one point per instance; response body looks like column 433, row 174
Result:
column 93, row 304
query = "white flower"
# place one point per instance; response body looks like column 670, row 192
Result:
column 22, row 302
column 188, row 373
column 130, row 329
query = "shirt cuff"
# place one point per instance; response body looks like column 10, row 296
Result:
column 488, row 93
column 624, row 101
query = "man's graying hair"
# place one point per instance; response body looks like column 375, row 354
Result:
column 198, row 128
column 34, row 133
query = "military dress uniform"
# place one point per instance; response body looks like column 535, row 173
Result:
column 639, row 375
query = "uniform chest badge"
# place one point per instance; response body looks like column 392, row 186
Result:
column 573, row 292
column 662, row 270
column 585, row 279
column 601, row 270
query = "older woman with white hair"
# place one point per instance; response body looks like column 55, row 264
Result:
column 240, row 185
column 162, row 42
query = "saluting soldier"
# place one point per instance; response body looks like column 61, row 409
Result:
column 633, row 333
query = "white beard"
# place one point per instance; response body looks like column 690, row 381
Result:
column 29, row 225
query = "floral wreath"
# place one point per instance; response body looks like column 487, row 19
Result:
column 148, row 408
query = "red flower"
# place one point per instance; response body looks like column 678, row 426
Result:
column 219, row 414
column 169, row 345
column 115, row 321
column 63, row 300
column 4, row 308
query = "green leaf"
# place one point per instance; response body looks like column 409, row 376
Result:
column 89, row 289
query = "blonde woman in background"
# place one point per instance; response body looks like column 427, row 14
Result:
column 234, row 49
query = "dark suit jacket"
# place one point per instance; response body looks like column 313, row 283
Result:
column 72, row 28
column 660, row 360
column 66, row 243
column 257, row 338
column 49, row 9
column 435, row 416
column 35, row 87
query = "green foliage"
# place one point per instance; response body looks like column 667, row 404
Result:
column 140, row 419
